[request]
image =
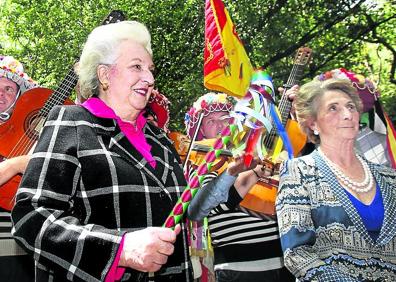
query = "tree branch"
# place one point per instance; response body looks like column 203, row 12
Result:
column 278, row 5
column 312, row 34
column 359, row 36
column 387, row 45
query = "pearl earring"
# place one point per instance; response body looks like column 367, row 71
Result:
column 315, row 132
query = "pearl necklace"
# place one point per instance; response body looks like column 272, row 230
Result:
column 360, row 187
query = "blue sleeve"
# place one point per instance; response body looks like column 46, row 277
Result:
column 215, row 190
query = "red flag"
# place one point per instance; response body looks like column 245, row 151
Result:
column 227, row 67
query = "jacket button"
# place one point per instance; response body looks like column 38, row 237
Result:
column 162, row 195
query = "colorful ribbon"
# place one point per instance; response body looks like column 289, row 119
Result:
column 251, row 114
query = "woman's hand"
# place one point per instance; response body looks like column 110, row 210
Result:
column 148, row 249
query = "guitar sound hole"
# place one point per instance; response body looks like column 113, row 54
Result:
column 31, row 125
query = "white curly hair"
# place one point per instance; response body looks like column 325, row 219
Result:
column 101, row 49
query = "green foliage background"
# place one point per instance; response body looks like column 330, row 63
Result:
column 48, row 35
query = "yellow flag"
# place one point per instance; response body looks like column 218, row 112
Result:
column 227, row 67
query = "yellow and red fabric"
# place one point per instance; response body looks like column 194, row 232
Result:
column 391, row 140
column 227, row 67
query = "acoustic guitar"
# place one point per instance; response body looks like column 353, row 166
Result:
column 261, row 197
column 21, row 131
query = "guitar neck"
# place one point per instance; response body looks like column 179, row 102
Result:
column 61, row 93
column 285, row 104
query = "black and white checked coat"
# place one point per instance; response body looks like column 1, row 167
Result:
column 84, row 187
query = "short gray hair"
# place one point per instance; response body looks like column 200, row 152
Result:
column 308, row 100
column 101, row 48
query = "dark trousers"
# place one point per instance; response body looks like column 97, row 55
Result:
column 277, row 275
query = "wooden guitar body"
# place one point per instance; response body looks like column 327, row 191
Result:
column 261, row 197
column 19, row 133
column 297, row 138
column 8, row 192
column 22, row 126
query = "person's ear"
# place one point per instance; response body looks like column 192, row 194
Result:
column 313, row 126
column 103, row 76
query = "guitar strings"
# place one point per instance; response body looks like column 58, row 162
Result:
column 69, row 83
column 283, row 104
column 25, row 143
column 59, row 96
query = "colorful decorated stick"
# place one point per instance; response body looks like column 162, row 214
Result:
column 189, row 192
column 251, row 112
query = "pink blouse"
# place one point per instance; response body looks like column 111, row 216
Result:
column 135, row 135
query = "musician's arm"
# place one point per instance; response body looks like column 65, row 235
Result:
column 11, row 167
column 245, row 181
column 215, row 190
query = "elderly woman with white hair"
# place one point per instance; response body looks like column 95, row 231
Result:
column 101, row 179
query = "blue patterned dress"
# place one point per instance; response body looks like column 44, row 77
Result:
column 322, row 234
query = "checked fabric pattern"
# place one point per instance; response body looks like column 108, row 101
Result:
column 84, row 187
column 373, row 146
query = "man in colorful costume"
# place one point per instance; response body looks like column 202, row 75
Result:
column 15, row 264
column 246, row 248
